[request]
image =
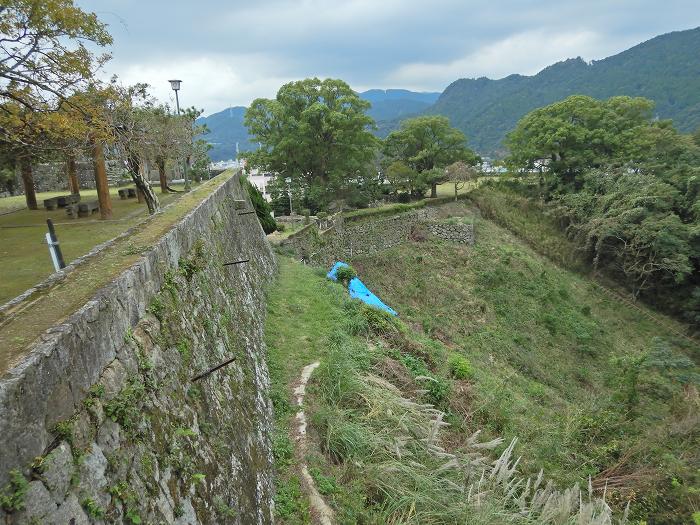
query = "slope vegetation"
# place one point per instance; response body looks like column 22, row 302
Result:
column 492, row 339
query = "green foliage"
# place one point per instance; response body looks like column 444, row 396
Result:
column 12, row 494
column 315, row 133
column 424, row 146
column 345, row 274
column 196, row 261
column 262, row 208
column 124, row 408
column 64, row 430
column 157, row 308
column 92, row 508
column 460, row 367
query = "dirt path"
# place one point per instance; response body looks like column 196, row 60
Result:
column 320, row 511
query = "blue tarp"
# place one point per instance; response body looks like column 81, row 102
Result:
column 358, row 290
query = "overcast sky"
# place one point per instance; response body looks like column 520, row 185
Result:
column 228, row 52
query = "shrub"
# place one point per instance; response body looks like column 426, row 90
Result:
column 460, row 367
column 262, row 209
column 345, row 274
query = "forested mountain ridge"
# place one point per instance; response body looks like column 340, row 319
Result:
column 665, row 69
column 226, row 127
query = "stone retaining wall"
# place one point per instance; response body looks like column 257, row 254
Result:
column 364, row 237
column 102, row 422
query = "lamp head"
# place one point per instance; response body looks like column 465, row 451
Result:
column 175, row 84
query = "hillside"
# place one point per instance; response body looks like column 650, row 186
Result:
column 397, row 103
column 225, row 130
column 665, row 69
column 504, row 342
column 226, row 127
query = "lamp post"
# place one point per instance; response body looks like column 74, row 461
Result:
column 175, row 84
column 288, row 180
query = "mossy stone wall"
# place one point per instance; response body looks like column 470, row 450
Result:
column 103, row 423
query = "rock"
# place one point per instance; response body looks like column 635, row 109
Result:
column 92, row 475
column 57, row 470
column 69, row 513
column 39, row 504
column 113, row 379
column 108, row 436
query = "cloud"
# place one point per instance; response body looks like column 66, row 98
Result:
column 524, row 53
column 231, row 51
column 219, row 81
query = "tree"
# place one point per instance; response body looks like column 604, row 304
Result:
column 459, row 173
column 43, row 58
column 579, row 133
column 262, row 208
column 404, row 179
column 316, row 133
column 426, row 143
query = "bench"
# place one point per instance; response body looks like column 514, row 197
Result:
column 87, row 208
column 67, row 200
column 72, row 210
column 51, row 204
column 132, row 192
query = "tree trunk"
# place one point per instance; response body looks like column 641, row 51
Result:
column 98, row 160
column 142, row 184
column 28, row 182
column 433, row 190
column 161, row 174
column 73, row 185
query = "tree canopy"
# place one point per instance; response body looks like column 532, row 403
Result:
column 316, row 133
column 426, row 145
column 43, row 56
column 626, row 186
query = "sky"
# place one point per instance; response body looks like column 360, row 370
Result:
column 229, row 52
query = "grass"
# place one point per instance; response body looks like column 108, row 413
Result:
column 303, row 311
column 385, row 456
column 26, row 321
column 589, row 387
column 23, row 252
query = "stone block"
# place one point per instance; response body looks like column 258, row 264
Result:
column 57, row 470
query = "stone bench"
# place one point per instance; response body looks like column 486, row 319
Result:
column 72, row 210
column 127, row 193
column 87, row 208
column 51, row 204
column 67, row 200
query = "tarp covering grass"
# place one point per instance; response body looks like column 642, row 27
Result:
column 358, row 290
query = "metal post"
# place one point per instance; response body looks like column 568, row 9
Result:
column 184, row 161
column 54, row 247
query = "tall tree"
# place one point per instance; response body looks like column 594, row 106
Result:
column 315, row 132
column 426, row 143
column 579, row 133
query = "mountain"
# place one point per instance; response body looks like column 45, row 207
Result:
column 225, row 130
column 397, row 103
column 665, row 69
column 226, row 127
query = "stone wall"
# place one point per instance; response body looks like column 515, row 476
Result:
column 369, row 235
column 102, row 422
column 458, row 233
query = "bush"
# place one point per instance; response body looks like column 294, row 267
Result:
column 460, row 367
column 345, row 274
column 262, row 208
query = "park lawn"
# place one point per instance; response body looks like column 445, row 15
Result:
column 24, row 255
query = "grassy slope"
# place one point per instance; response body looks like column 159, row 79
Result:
column 555, row 364
column 555, row 361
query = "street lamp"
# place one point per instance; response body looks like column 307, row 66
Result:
column 175, row 85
